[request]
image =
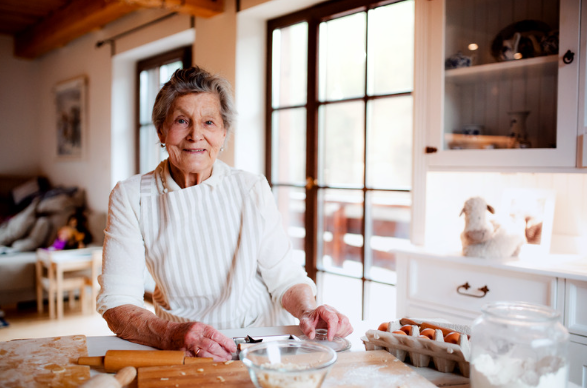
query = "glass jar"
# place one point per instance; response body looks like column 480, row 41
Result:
column 519, row 345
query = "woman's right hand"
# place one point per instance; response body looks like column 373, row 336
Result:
column 201, row 340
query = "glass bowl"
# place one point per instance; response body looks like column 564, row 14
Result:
column 288, row 364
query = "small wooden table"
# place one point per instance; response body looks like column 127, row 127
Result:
column 59, row 271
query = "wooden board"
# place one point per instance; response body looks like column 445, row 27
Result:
column 352, row 369
column 43, row 362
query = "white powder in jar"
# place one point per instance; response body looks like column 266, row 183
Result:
column 508, row 372
column 288, row 380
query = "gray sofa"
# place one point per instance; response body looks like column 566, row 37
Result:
column 17, row 269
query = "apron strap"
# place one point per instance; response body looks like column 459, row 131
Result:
column 148, row 189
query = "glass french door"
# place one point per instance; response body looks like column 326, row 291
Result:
column 340, row 134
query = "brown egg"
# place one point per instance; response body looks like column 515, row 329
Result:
column 452, row 337
column 383, row 327
column 407, row 329
column 428, row 333
column 399, row 332
column 423, row 336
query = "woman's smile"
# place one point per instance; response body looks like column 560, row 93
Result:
column 193, row 134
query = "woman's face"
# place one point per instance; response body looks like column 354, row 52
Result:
column 194, row 133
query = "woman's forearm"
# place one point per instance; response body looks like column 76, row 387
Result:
column 138, row 325
column 299, row 300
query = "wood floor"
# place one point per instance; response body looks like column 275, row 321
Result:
column 25, row 322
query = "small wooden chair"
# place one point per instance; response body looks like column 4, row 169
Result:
column 69, row 270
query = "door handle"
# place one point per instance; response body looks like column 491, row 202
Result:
column 466, row 286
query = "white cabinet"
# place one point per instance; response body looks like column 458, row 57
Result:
column 576, row 307
column 578, row 356
column 454, row 290
column 492, row 112
column 576, row 322
column 432, row 285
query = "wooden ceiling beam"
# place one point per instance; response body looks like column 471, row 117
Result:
column 77, row 18
column 200, row 8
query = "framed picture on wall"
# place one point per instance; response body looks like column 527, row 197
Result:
column 70, row 103
column 535, row 209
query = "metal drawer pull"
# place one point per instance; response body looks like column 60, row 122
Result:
column 466, row 286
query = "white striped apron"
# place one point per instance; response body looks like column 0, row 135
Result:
column 201, row 247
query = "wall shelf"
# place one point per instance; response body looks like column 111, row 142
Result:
column 503, row 70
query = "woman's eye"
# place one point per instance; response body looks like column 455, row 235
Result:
column 209, row 122
column 182, row 121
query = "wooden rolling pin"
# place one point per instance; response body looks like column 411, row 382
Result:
column 124, row 377
column 115, row 360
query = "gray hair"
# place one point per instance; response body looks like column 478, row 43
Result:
column 194, row 80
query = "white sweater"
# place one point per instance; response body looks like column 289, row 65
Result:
column 217, row 251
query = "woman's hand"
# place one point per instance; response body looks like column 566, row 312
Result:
column 300, row 302
column 196, row 339
column 325, row 317
column 201, row 340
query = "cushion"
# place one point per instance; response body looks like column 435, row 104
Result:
column 36, row 238
column 27, row 189
column 18, row 226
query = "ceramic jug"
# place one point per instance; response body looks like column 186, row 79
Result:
column 518, row 129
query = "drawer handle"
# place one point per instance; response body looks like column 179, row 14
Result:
column 466, row 286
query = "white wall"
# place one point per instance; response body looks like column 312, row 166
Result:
column 19, row 101
column 124, row 89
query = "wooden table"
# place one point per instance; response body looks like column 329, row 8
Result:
column 59, row 271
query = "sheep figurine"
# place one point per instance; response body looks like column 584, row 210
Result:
column 487, row 238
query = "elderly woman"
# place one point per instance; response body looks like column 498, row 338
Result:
column 210, row 235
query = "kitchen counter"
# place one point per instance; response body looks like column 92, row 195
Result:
column 97, row 346
column 556, row 265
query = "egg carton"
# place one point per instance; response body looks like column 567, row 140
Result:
column 421, row 351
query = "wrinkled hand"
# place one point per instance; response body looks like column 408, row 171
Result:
column 325, row 317
column 201, row 340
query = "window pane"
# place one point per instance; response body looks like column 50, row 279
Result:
column 391, row 48
column 387, row 224
column 340, row 236
column 345, row 294
column 166, row 71
column 289, row 146
column 290, row 65
column 381, row 302
column 341, row 142
column 389, row 142
column 150, row 151
column 149, row 87
column 291, row 202
column 342, row 57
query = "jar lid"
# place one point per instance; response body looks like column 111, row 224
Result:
column 522, row 312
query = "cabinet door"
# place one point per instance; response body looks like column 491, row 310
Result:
column 499, row 91
column 576, row 307
column 578, row 360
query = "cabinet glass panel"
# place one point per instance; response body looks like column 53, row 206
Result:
column 501, row 74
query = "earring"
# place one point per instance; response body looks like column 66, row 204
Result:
column 221, row 149
column 162, row 145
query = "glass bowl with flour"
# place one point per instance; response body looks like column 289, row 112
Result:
column 288, row 364
column 519, row 345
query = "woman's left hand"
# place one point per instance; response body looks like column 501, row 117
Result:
column 325, row 317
